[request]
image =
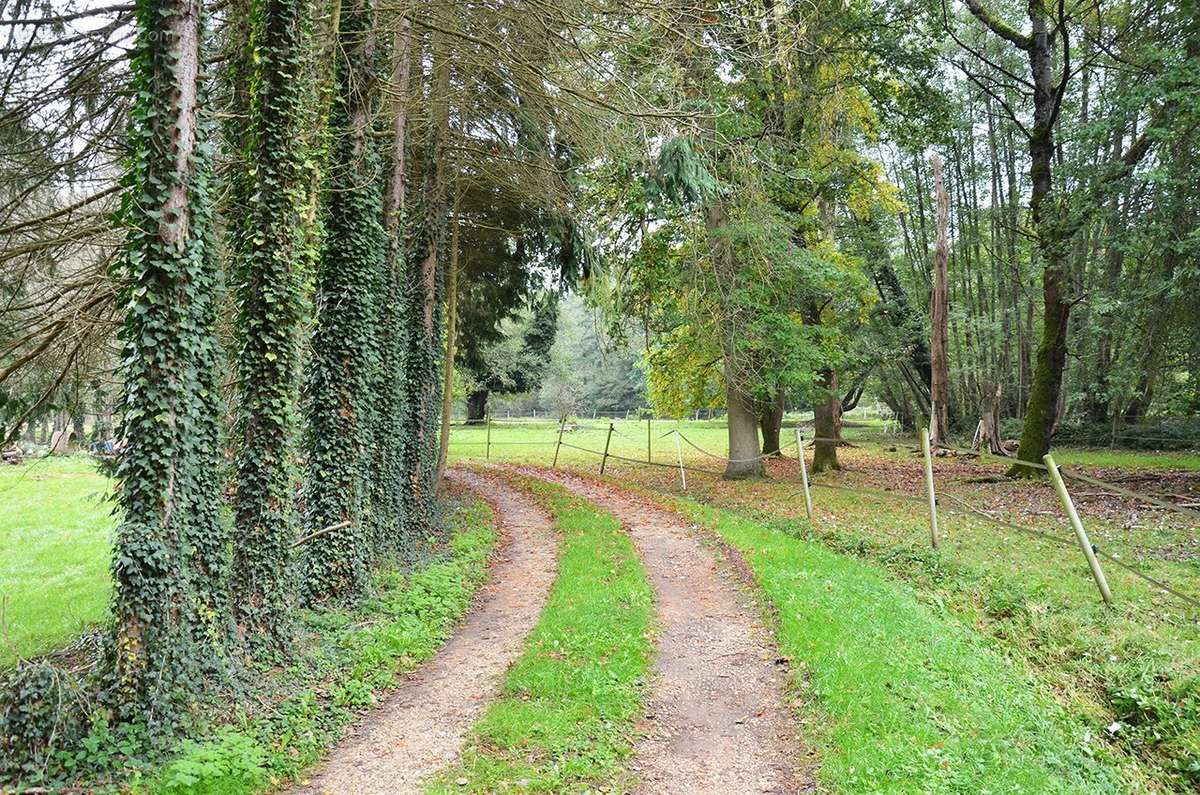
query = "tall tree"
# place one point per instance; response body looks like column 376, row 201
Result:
column 1055, row 220
column 268, row 321
column 169, row 573
column 939, row 385
column 421, row 295
column 343, row 368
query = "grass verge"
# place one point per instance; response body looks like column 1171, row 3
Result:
column 55, row 522
column 911, row 701
column 350, row 657
column 565, row 719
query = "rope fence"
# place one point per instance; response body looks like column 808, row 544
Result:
column 958, row 506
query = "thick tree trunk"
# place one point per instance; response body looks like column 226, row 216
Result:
column 744, row 461
column 477, row 407
column 827, row 425
column 269, row 323
column 423, row 285
column 167, row 616
column 771, row 423
column 939, row 386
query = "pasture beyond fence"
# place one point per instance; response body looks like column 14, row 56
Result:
column 613, row 444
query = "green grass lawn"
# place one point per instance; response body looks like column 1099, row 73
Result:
column 1127, row 673
column 55, row 523
column 564, row 720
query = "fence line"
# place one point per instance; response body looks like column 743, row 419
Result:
column 963, row 508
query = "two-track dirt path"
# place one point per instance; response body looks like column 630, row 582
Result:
column 420, row 727
column 717, row 720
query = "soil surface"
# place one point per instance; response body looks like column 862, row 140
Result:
column 419, row 728
column 716, row 721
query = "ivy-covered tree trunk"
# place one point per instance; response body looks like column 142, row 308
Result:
column 422, row 290
column 342, row 371
column 389, row 476
column 169, row 568
column 268, row 323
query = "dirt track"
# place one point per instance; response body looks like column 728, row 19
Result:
column 420, row 727
column 716, row 721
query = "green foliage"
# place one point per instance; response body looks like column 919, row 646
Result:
column 343, row 369
column 230, row 762
column 348, row 657
column 565, row 718
column 41, row 710
column 265, row 269
column 170, row 568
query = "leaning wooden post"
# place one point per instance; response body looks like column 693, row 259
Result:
column 607, row 439
column 647, row 440
column 561, row 425
column 1088, row 551
column 803, row 473
column 679, row 457
column 933, row 525
column 488, row 450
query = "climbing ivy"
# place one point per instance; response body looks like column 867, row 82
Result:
column 342, row 370
column 269, row 302
column 169, row 553
column 421, row 314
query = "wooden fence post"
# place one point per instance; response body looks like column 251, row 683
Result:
column 803, row 472
column 933, row 523
column 679, row 457
column 607, row 439
column 488, row 450
column 648, row 440
column 1077, row 525
column 561, row 425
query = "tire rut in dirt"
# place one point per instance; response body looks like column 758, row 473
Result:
column 717, row 720
column 419, row 728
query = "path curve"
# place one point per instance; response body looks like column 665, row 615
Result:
column 717, row 720
column 419, row 728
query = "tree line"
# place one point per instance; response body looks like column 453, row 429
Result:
column 268, row 236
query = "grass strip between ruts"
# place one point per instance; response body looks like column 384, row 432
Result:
column 564, row 721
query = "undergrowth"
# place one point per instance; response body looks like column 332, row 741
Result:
column 284, row 718
column 565, row 718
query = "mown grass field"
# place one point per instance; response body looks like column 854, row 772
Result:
column 55, row 523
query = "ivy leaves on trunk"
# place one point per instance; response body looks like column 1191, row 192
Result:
column 170, row 572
